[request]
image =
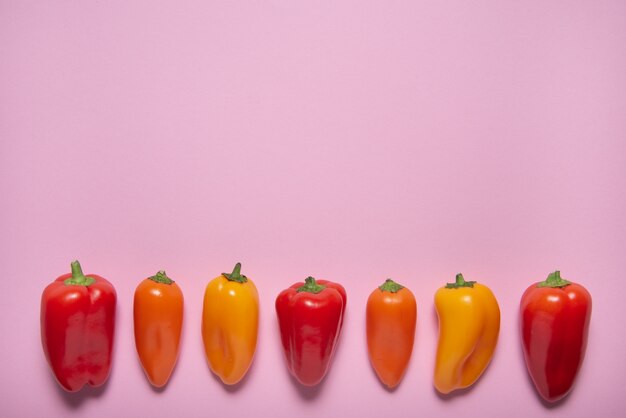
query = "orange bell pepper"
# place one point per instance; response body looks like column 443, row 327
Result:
column 158, row 318
column 391, row 314
column 230, row 321
column 469, row 324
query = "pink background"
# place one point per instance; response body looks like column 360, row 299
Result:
column 349, row 140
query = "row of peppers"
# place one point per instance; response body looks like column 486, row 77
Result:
column 78, row 319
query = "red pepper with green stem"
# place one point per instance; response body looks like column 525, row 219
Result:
column 77, row 328
column 554, row 322
column 310, row 316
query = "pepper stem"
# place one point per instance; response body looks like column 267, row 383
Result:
column 554, row 280
column 161, row 277
column 78, row 278
column 390, row 286
column 236, row 275
column 459, row 282
column 310, row 286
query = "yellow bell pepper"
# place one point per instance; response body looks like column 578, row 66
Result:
column 230, row 322
column 469, row 324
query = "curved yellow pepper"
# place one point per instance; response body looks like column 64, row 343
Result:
column 469, row 324
column 230, row 322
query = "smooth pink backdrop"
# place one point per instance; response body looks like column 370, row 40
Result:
column 350, row 140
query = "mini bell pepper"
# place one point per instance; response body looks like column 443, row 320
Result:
column 310, row 316
column 158, row 321
column 77, row 328
column 469, row 324
column 391, row 314
column 554, row 322
column 230, row 322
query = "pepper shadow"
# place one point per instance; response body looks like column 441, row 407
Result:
column 237, row 386
column 457, row 393
column 307, row 393
column 380, row 382
column 159, row 390
column 74, row 400
column 384, row 386
column 154, row 388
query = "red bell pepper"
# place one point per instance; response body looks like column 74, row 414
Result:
column 310, row 316
column 554, row 317
column 77, row 326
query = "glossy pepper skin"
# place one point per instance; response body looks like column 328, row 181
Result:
column 469, row 324
column 554, row 322
column 77, row 328
column 391, row 316
column 158, row 321
column 310, row 316
column 230, row 322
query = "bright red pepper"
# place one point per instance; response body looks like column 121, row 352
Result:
column 77, row 327
column 310, row 316
column 554, row 318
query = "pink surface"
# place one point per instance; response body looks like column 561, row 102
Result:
column 350, row 140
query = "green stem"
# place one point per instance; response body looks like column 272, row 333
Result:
column 161, row 277
column 390, row 286
column 310, row 286
column 459, row 282
column 554, row 280
column 236, row 275
column 78, row 278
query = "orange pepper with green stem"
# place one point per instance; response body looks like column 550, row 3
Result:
column 469, row 324
column 391, row 315
column 230, row 321
column 158, row 321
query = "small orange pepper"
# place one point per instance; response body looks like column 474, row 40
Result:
column 391, row 315
column 158, row 320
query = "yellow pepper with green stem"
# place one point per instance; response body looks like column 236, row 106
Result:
column 469, row 324
column 230, row 321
